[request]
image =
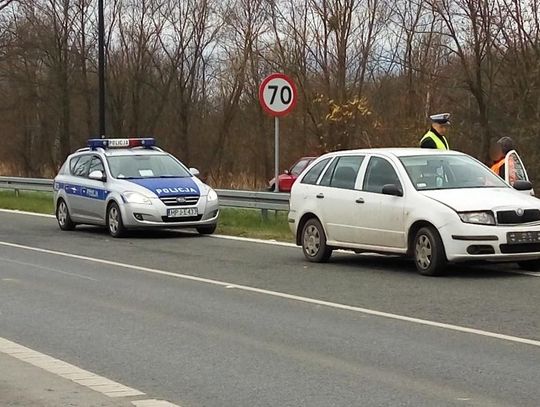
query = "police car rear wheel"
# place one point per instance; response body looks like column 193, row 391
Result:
column 314, row 242
column 62, row 215
column 429, row 255
column 114, row 221
column 206, row 230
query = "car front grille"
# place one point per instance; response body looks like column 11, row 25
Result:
column 179, row 200
column 512, row 217
column 520, row 248
column 182, row 219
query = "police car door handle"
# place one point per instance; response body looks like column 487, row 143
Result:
column 320, row 195
column 360, row 200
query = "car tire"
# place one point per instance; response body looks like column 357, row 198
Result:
column 314, row 244
column 115, row 225
column 428, row 251
column 207, row 230
column 530, row 265
column 63, row 217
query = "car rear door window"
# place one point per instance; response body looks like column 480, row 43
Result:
column 314, row 173
column 346, row 171
column 80, row 169
column 379, row 173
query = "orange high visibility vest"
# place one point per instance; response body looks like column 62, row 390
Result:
column 496, row 168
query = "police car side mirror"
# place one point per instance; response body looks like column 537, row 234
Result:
column 392, row 189
column 97, row 175
column 195, row 172
column 522, row 185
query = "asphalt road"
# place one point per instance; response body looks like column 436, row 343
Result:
column 201, row 344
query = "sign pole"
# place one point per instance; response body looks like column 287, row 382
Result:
column 101, row 68
column 276, row 154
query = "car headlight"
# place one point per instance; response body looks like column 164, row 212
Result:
column 212, row 195
column 478, row 218
column 136, row 198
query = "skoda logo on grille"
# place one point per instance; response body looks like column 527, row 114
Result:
column 520, row 212
column 181, row 199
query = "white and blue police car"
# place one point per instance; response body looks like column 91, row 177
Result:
column 129, row 184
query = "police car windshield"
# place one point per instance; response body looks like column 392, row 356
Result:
column 146, row 166
column 430, row 172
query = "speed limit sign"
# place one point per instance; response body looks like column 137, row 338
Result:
column 277, row 95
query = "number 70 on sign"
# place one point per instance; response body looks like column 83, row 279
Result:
column 277, row 95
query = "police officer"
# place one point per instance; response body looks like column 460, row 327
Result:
column 436, row 136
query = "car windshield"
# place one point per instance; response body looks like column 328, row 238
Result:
column 429, row 172
column 146, row 166
column 299, row 166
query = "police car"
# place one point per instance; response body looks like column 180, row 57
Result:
column 434, row 206
column 131, row 183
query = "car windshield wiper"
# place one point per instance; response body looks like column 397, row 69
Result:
column 129, row 177
column 172, row 176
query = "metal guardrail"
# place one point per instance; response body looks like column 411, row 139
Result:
column 227, row 197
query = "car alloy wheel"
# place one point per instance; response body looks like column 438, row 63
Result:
column 114, row 221
column 423, row 252
column 62, row 215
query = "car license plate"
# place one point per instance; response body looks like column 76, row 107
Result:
column 182, row 212
column 522, row 237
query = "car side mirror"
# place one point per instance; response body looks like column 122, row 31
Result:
column 287, row 172
column 97, row 175
column 194, row 171
column 522, row 185
column 392, row 189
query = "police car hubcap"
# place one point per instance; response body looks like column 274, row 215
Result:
column 113, row 220
column 62, row 213
column 312, row 240
column 423, row 251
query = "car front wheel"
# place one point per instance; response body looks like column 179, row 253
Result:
column 314, row 242
column 114, row 221
column 429, row 255
column 63, row 217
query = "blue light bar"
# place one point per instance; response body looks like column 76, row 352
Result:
column 121, row 143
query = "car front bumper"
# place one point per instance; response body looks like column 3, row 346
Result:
column 155, row 215
column 469, row 242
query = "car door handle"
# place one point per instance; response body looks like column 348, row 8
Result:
column 360, row 200
column 320, row 196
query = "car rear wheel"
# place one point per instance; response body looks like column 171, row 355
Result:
column 314, row 242
column 429, row 256
column 63, row 217
column 207, row 230
column 114, row 221
column 530, row 265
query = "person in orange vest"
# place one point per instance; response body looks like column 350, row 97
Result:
column 498, row 154
column 436, row 135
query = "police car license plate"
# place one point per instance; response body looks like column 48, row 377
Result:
column 181, row 212
column 522, row 237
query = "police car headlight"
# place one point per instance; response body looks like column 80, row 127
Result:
column 478, row 218
column 212, row 195
column 136, row 198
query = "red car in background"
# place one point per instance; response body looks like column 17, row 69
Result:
column 286, row 180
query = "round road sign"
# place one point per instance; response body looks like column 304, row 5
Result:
column 277, row 94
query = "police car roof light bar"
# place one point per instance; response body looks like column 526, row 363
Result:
column 121, row 143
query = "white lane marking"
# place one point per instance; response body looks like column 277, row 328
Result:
column 65, row 370
column 80, row 376
column 153, row 403
column 22, row 263
column 308, row 300
column 41, row 215
column 252, row 240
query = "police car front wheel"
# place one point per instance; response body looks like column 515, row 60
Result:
column 63, row 217
column 114, row 221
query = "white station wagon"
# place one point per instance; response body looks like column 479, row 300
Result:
column 435, row 206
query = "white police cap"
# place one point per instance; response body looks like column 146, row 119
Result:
column 441, row 118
